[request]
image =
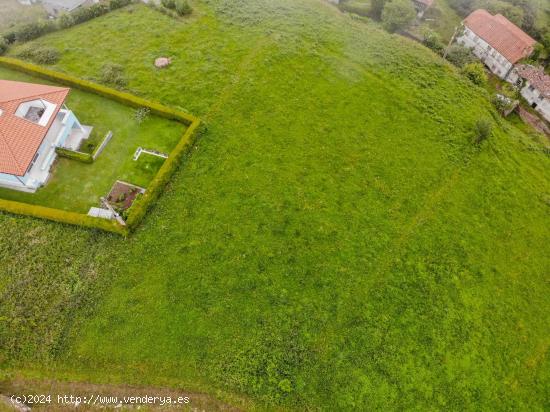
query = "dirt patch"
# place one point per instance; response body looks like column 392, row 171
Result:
column 537, row 123
column 122, row 195
column 109, row 397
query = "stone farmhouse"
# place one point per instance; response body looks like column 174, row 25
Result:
column 496, row 41
column 535, row 88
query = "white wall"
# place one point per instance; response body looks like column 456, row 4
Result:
column 496, row 62
column 534, row 96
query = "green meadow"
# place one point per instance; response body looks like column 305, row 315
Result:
column 334, row 241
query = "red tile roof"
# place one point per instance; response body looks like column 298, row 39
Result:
column 536, row 77
column 20, row 139
column 503, row 35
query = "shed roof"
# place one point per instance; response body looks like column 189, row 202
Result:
column 536, row 77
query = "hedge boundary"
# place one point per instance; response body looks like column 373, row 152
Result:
column 74, row 155
column 138, row 210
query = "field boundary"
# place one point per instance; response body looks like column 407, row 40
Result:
column 138, row 210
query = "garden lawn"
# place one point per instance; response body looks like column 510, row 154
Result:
column 334, row 241
column 77, row 186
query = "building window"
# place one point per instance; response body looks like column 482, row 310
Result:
column 531, row 88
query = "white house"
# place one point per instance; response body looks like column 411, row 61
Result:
column 33, row 122
column 496, row 41
column 421, row 6
column 56, row 7
column 535, row 88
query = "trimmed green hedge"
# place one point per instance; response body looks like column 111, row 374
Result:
column 88, row 86
column 162, row 177
column 74, row 155
column 138, row 211
column 62, row 216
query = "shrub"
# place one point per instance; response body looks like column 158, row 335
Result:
column 460, row 55
column 40, row 54
column 169, row 4
column 397, row 15
column 502, row 103
column 482, row 129
column 141, row 114
column 65, row 21
column 3, row 45
column 476, row 73
column 183, row 8
column 113, row 74
column 83, row 14
column 376, row 8
column 117, row 4
column 74, row 155
column 433, row 41
column 32, row 31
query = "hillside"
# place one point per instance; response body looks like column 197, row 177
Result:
column 334, row 241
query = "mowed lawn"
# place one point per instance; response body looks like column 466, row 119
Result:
column 334, row 241
column 77, row 186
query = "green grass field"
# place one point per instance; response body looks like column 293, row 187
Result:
column 77, row 186
column 334, row 241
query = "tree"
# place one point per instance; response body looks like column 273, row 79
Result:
column 397, row 15
column 432, row 40
column 476, row 73
column 460, row 55
column 376, row 8
column 483, row 130
column 3, row 45
column 183, row 8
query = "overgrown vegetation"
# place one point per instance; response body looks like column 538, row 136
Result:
column 334, row 242
column 113, row 74
column 476, row 73
column 397, row 15
column 39, row 54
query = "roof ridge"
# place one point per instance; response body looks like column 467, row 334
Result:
column 60, row 89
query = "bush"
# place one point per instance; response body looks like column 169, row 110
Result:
column 169, row 4
column 32, row 31
column 376, row 8
column 183, row 8
column 74, row 155
column 141, row 114
column 40, row 54
column 117, row 4
column 476, row 73
column 3, row 45
column 433, row 41
column 398, row 15
column 460, row 55
column 113, row 74
column 65, row 21
column 83, row 14
column 482, row 129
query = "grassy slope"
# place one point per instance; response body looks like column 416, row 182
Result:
column 334, row 241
